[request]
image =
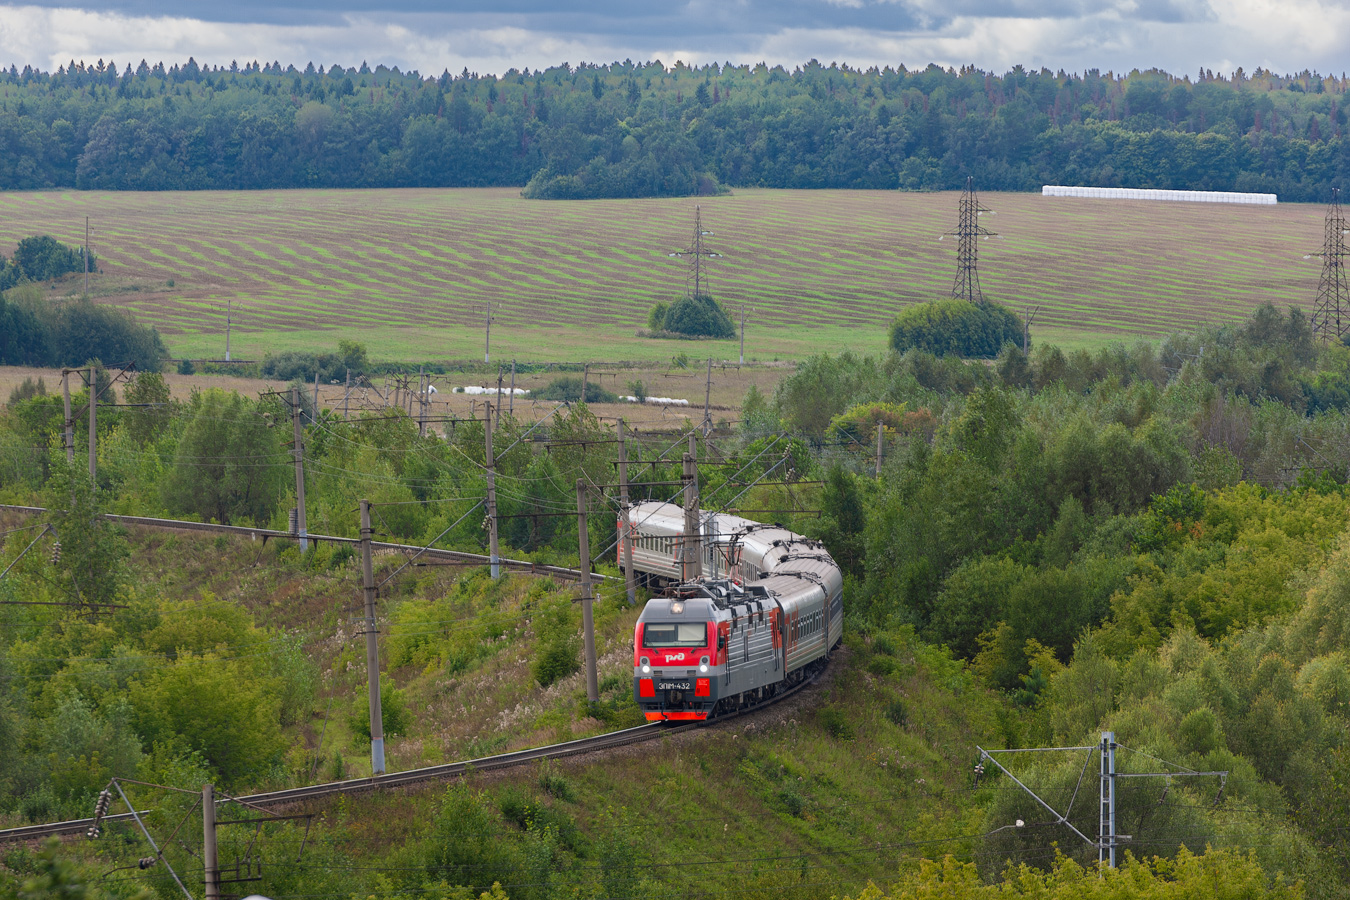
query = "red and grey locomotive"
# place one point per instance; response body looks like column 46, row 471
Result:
column 765, row 614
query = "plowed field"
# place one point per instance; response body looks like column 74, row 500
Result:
column 413, row 270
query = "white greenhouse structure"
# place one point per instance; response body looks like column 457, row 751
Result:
column 1095, row 193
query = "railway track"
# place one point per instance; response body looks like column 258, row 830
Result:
column 430, row 553
column 608, row 741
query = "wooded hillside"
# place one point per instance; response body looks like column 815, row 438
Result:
column 628, row 129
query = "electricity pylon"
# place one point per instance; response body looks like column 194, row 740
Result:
column 968, row 233
column 1329, row 320
column 697, row 253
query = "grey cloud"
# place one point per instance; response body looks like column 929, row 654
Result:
column 939, row 12
column 604, row 17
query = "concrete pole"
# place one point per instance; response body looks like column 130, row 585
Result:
column 692, row 551
column 707, row 399
column 422, row 402
column 372, row 647
column 625, row 526
column 497, row 422
column 742, row 334
column 314, row 413
column 93, row 423
column 346, row 396
column 587, row 617
column 494, row 561
column 69, row 434
column 298, row 452
column 210, row 858
column 511, row 399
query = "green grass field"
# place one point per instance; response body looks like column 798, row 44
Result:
column 411, row 272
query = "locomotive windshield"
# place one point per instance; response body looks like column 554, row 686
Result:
column 656, row 635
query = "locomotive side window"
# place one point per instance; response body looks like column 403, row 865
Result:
column 656, row 635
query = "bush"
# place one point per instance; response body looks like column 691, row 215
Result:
column 568, row 389
column 296, row 365
column 957, row 328
column 151, row 407
column 80, row 331
column 394, row 714
column 558, row 645
column 836, row 723
column 23, row 339
column 697, row 316
column 70, row 334
column 27, row 391
column 43, row 257
column 228, row 465
column 666, row 168
column 656, row 319
column 223, row 710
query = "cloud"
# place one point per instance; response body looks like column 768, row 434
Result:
column 496, row 35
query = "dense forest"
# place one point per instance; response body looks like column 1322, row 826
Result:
column 631, row 129
column 1147, row 539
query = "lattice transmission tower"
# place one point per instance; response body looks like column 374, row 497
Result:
column 697, row 253
column 1331, row 311
column 968, row 234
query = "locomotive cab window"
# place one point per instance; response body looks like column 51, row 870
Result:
column 656, row 635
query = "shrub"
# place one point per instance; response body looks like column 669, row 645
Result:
column 555, row 661
column 23, row 339
column 150, row 412
column 80, row 331
column 698, row 315
column 957, row 328
column 27, row 391
column 43, row 257
column 859, row 423
column 835, row 723
column 70, row 334
column 656, row 319
column 556, row 785
column 394, row 714
column 296, row 365
column 206, row 479
column 568, row 389
column 224, row 710
column 558, row 645
column 793, row 803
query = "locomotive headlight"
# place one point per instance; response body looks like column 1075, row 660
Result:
column 703, row 664
column 646, row 666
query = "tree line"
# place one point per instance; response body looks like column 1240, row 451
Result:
column 643, row 129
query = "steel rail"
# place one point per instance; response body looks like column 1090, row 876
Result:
column 523, row 565
column 650, row 731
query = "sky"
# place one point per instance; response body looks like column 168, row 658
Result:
column 1179, row 36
